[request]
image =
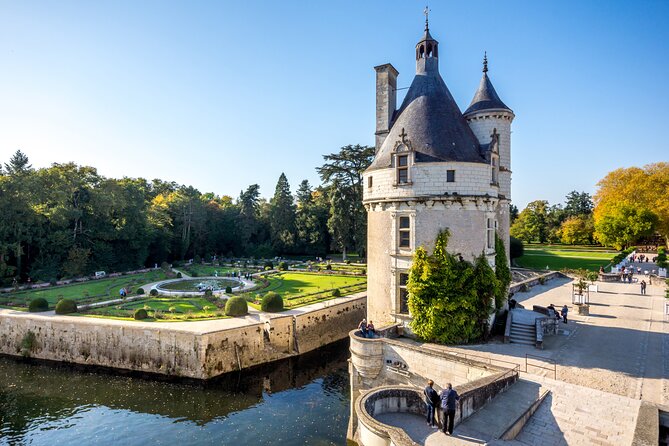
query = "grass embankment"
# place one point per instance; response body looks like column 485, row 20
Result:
column 558, row 257
column 96, row 290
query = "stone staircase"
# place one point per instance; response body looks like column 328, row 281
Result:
column 522, row 333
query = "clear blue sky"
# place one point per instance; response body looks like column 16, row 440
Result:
column 220, row 95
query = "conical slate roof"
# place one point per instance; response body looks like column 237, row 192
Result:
column 432, row 122
column 486, row 97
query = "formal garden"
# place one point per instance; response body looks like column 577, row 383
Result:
column 212, row 291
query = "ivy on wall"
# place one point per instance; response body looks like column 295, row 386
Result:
column 450, row 299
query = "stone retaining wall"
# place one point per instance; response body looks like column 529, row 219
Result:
column 159, row 348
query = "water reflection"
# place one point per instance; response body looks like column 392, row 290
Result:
column 302, row 400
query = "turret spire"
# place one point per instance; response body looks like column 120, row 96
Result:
column 485, row 61
column 426, row 11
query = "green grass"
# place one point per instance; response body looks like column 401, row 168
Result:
column 557, row 257
column 292, row 284
column 85, row 292
column 184, row 308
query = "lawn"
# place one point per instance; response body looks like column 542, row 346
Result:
column 557, row 257
column 299, row 289
column 163, row 308
column 84, row 292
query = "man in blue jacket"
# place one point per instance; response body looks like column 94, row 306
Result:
column 431, row 401
column 448, row 399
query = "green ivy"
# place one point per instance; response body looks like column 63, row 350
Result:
column 450, row 299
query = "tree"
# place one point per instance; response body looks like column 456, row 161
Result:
column 578, row 203
column 623, row 224
column 644, row 188
column 577, row 230
column 531, row 226
column 18, row 163
column 343, row 171
column 513, row 213
column 282, row 217
column 311, row 220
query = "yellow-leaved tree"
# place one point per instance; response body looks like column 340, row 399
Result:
column 631, row 203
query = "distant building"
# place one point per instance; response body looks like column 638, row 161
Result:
column 435, row 168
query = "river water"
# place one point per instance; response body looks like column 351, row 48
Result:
column 299, row 401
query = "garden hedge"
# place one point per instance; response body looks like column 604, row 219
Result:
column 271, row 302
column 236, row 306
column 38, row 304
column 140, row 314
column 66, row 306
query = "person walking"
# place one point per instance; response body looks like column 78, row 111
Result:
column 564, row 312
column 643, row 287
column 431, row 402
column 448, row 399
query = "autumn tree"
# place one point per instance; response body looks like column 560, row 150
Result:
column 633, row 193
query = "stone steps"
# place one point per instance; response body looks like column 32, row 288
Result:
column 522, row 334
column 504, row 416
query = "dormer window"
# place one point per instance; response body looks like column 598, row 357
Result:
column 402, row 169
column 403, row 158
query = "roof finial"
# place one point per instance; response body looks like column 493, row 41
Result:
column 426, row 11
column 485, row 61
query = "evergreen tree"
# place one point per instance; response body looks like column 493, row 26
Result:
column 18, row 163
column 282, row 218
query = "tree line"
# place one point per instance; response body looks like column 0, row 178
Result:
column 68, row 220
column 630, row 205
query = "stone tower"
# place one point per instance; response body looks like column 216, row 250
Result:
column 434, row 169
column 489, row 118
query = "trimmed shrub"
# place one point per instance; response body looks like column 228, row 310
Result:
column 271, row 302
column 515, row 248
column 208, row 293
column 348, row 262
column 328, row 267
column 140, row 314
column 283, row 266
column 336, row 292
column 179, row 275
column 228, row 289
column 38, row 304
column 53, row 282
column 269, row 265
column 66, row 306
column 236, row 306
column 153, row 292
column 140, row 291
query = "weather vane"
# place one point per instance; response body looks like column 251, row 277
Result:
column 426, row 11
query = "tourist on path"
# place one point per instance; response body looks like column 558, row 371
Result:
column 431, row 402
column 448, row 399
column 643, row 287
column 564, row 312
column 363, row 327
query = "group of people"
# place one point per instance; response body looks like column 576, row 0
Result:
column 552, row 311
column 367, row 328
column 123, row 292
column 445, row 401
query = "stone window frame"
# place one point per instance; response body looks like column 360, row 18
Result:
column 395, row 216
column 398, row 292
column 491, row 229
column 369, row 182
column 403, row 148
column 450, row 175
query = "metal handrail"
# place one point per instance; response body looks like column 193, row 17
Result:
column 548, row 360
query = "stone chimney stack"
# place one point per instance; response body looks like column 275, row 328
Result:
column 386, row 100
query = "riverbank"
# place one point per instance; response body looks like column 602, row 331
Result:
column 198, row 350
